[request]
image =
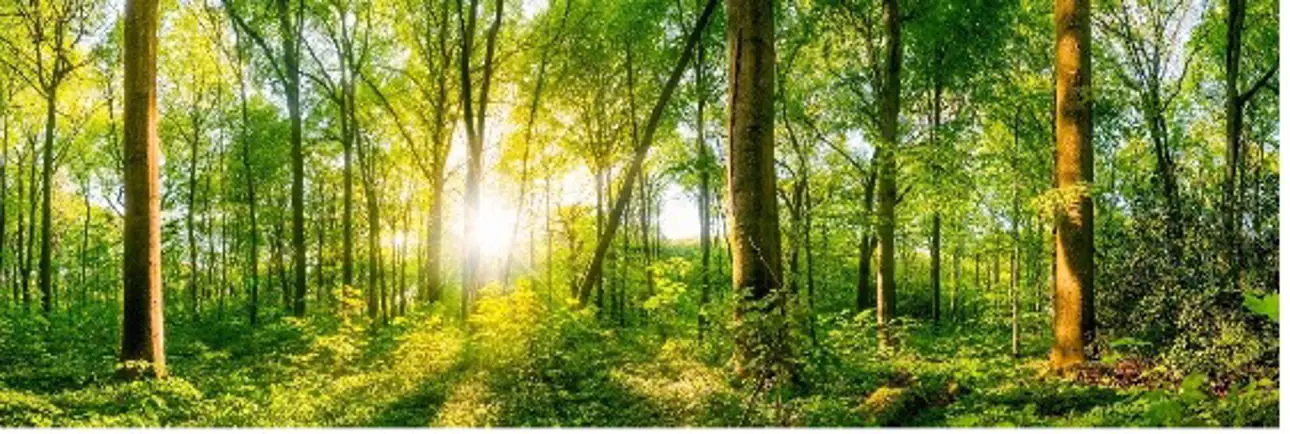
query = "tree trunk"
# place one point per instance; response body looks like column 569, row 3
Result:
column 474, row 140
column 1073, row 322
column 754, row 223
column 885, row 160
column 253, row 264
column 142, row 332
column 193, row 285
column 638, row 159
column 936, row 267
column 4, row 187
column 46, row 209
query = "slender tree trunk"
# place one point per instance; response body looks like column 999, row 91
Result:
column 528, row 137
column 705, row 190
column 142, row 332
column 936, row 267
column 32, row 184
column 193, row 285
column 954, row 290
column 290, row 58
column 85, row 246
column 46, row 209
column 4, row 188
column 754, row 223
column 642, row 149
column 20, row 281
column 1073, row 321
column 475, row 140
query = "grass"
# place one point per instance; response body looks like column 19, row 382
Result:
column 524, row 364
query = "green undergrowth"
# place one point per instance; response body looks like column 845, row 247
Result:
column 520, row 361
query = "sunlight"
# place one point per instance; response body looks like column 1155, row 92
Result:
column 493, row 227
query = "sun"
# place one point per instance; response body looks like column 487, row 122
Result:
column 493, row 226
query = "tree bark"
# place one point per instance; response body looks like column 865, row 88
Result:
column 1073, row 299
column 754, row 224
column 142, row 336
column 884, row 158
column 46, row 217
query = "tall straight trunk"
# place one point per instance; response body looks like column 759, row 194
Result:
column 20, row 279
column 290, row 59
column 85, row 246
column 142, row 331
column 323, row 295
column 253, row 263
column 434, row 232
column 347, row 217
column 1073, row 322
column 373, row 236
column 1235, row 99
column 46, row 209
column 32, row 184
column 600, row 231
column 705, row 191
column 885, row 160
column 954, row 290
column 4, row 187
column 279, row 251
column 1235, row 113
column 936, row 266
column 810, row 261
column 193, row 285
column 1014, row 297
column 1014, row 283
column 754, row 224
column 937, row 95
column 642, row 150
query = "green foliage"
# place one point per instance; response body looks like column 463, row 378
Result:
column 1268, row 306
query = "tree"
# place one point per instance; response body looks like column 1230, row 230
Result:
column 285, row 63
column 474, row 114
column 885, row 162
column 1073, row 321
column 1236, row 99
column 594, row 269
column 143, row 330
column 754, row 225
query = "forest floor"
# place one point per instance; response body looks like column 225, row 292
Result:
column 521, row 364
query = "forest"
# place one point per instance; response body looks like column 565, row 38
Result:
column 639, row 213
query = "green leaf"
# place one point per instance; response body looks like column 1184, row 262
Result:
column 1268, row 305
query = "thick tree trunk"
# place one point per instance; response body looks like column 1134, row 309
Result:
column 142, row 331
column 754, row 223
column 1073, row 299
column 885, row 160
